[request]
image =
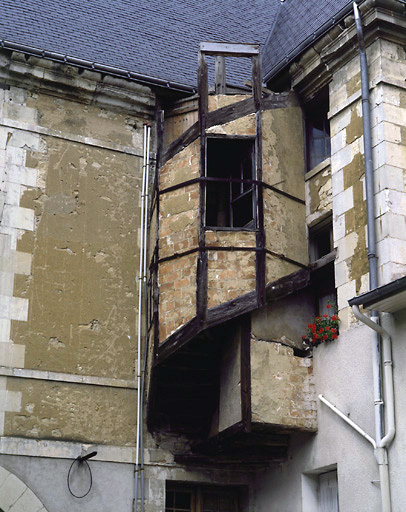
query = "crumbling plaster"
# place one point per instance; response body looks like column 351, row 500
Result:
column 69, row 235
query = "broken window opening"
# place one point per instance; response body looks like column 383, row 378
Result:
column 230, row 190
column 321, row 239
column 322, row 255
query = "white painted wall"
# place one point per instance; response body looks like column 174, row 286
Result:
column 343, row 375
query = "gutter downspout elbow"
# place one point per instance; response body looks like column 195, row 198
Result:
column 387, row 374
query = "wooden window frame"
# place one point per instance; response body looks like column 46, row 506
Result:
column 248, row 185
column 316, row 118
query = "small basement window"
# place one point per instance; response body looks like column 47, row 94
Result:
column 230, row 193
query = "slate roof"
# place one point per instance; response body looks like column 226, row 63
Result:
column 160, row 38
column 297, row 24
column 157, row 38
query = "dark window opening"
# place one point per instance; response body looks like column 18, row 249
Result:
column 230, row 193
column 318, row 146
column 324, row 287
column 321, row 240
column 322, row 255
column 178, row 500
column 201, row 498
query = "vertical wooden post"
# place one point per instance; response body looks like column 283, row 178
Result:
column 220, row 74
column 245, row 361
column 202, row 263
column 260, row 238
column 257, row 80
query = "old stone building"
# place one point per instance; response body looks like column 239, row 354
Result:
column 180, row 217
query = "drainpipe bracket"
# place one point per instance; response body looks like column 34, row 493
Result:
column 381, row 455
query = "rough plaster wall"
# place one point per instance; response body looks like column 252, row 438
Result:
column 283, row 152
column 283, row 167
column 72, row 412
column 230, row 384
column 288, row 399
column 69, row 236
column 243, row 126
column 284, row 320
column 342, row 373
column 276, row 268
column 222, row 100
column 285, row 228
column 82, row 289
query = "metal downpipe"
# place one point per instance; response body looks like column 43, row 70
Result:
column 144, row 280
column 139, row 331
column 369, row 192
column 381, row 452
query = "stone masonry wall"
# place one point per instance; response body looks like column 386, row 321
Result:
column 231, row 273
column 388, row 108
column 177, row 294
column 178, row 232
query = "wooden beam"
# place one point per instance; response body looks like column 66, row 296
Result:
column 287, row 285
column 224, row 115
column 218, row 315
column 230, row 49
column 257, row 80
column 260, row 235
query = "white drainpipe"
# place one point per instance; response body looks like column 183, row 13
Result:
column 382, row 443
column 141, row 288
